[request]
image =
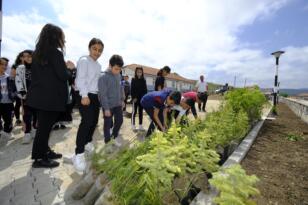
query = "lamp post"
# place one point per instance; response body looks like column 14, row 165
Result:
column 277, row 54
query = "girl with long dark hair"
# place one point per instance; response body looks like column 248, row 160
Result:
column 138, row 90
column 48, row 92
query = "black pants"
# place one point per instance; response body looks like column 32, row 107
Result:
column 17, row 108
column 89, row 118
column 125, row 102
column 117, row 116
column 29, row 118
column 46, row 120
column 137, row 108
column 6, row 114
column 203, row 99
column 150, row 112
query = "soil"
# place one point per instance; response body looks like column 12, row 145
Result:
column 280, row 164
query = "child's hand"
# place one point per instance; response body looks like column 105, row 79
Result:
column 107, row 113
column 85, row 101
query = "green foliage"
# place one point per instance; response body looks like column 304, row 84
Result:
column 145, row 174
column 294, row 137
column 235, row 186
column 250, row 100
column 284, row 95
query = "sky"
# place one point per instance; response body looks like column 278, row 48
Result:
column 222, row 40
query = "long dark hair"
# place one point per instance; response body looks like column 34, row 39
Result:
column 18, row 59
column 51, row 37
column 165, row 68
column 139, row 68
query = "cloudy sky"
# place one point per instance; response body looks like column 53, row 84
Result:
column 220, row 39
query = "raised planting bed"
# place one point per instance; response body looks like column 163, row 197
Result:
column 172, row 167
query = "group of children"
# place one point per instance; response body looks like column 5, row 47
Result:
column 92, row 91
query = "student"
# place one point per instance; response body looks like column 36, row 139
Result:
column 111, row 96
column 187, row 103
column 156, row 105
column 127, row 91
column 18, row 61
column 160, row 79
column 7, row 96
column 23, row 82
column 66, row 117
column 88, row 73
column 202, row 89
column 138, row 90
column 48, row 91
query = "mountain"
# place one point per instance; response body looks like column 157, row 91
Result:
column 293, row 91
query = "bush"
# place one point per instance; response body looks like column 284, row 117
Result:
column 250, row 100
column 235, row 186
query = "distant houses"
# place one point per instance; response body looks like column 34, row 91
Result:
column 173, row 81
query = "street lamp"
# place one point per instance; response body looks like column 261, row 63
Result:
column 277, row 54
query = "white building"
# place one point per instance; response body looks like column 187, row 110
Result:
column 173, row 80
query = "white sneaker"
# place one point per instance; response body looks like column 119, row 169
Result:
column 27, row 138
column 141, row 128
column 7, row 136
column 79, row 162
column 117, row 142
column 89, row 147
column 33, row 133
column 134, row 127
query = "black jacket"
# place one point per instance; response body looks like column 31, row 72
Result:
column 49, row 86
column 138, row 88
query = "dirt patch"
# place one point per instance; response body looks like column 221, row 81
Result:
column 279, row 163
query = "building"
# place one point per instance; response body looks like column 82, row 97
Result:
column 173, row 81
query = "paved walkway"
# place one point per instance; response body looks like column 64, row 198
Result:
column 22, row 185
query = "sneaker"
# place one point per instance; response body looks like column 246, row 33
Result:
column 117, row 142
column 45, row 163
column 89, row 147
column 79, row 162
column 141, row 128
column 134, row 127
column 27, row 138
column 56, row 127
column 53, row 155
column 18, row 122
column 62, row 126
column 7, row 136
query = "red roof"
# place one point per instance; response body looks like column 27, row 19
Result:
column 153, row 71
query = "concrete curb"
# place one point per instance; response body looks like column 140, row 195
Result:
column 236, row 157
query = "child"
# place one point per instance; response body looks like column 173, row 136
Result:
column 156, row 105
column 23, row 82
column 7, row 96
column 88, row 73
column 18, row 61
column 126, row 91
column 111, row 96
column 187, row 103
column 138, row 90
column 160, row 79
column 48, row 91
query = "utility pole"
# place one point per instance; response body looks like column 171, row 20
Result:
column 0, row 25
column 245, row 83
column 234, row 83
